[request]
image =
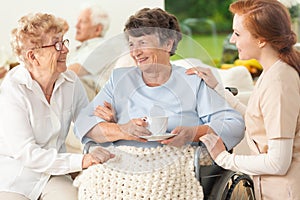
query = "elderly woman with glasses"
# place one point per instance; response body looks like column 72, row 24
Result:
column 38, row 101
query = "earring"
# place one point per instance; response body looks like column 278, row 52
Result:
column 260, row 44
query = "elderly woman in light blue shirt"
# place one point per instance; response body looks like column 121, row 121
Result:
column 155, row 87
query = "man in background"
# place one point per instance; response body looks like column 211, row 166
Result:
column 92, row 25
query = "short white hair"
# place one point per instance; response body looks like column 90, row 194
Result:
column 98, row 16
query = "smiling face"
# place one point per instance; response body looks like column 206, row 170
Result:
column 48, row 59
column 146, row 50
column 246, row 44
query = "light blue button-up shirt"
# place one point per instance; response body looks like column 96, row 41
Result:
column 185, row 99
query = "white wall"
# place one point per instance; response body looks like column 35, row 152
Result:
column 119, row 10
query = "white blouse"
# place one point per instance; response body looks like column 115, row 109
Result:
column 33, row 132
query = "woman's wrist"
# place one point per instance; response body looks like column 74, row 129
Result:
column 86, row 161
column 219, row 88
column 200, row 131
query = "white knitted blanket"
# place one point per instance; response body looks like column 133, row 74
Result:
column 142, row 173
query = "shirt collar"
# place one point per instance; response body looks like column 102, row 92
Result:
column 22, row 76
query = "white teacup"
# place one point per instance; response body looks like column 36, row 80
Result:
column 157, row 125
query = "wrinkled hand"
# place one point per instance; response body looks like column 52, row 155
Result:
column 206, row 74
column 98, row 156
column 183, row 136
column 214, row 144
column 105, row 112
column 134, row 129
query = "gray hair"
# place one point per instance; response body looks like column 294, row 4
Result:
column 98, row 16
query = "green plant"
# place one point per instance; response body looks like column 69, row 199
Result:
column 207, row 48
column 294, row 11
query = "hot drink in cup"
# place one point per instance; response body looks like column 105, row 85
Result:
column 157, row 125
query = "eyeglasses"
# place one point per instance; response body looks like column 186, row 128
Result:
column 57, row 45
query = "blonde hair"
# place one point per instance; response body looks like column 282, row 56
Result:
column 31, row 30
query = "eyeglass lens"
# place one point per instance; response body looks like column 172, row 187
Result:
column 59, row 45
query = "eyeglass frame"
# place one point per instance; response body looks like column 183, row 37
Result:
column 57, row 45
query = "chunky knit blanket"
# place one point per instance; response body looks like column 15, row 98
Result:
column 142, row 173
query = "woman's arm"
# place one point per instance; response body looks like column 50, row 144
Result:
column 29, row 137
column 276, row 161
column 111, row 131
column 232, row 100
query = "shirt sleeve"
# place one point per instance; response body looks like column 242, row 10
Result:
column 49, row 160
column 81, row 99
column 19, row 141
column 86, row 119
column 279, row 104
column 275, row 162
column 214, row 111
column 232, row 100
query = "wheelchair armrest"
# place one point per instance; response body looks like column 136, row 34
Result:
column 233, row 90
column 201, row 158
column 207, row 171
column 196, row 162
column 88, row 145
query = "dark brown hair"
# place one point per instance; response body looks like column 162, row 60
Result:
column 270, row 20
column 154, row 21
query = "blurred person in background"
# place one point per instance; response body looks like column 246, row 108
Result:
column 92, row 25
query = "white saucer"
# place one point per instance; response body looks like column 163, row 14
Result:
column 158, row 137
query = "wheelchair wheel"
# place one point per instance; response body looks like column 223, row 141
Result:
column 233, row 185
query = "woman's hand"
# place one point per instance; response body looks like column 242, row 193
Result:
column 134, row 129
column 105, row 112
column 110, row 131
column 214, row 144
column 206, row 74
column 98, row 156
column 183, row 136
